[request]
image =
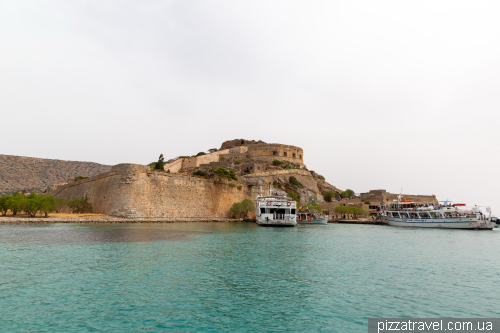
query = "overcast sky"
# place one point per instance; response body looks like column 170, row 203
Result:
column 379, row 94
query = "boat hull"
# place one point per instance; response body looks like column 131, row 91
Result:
column 449, row 223
column 321, row 220
column 277, row 223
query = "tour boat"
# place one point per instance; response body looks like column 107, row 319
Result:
column 307, row 216
column 276, row 211
column 414, row 214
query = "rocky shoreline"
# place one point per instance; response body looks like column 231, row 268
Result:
column 114, row 219
column 109, row 219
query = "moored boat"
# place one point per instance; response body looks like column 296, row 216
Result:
column 306, row 216
column 410, row 214
column 276, row 211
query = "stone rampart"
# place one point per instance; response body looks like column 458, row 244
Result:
column 134, row 191
column 175, row 166
column 382, row 196
column 270, row 151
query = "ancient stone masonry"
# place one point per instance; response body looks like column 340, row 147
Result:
column 254, row 156
column 131, row 190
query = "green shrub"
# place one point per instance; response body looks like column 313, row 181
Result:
column 242, row 208
column 295, row 182
column 289, row 167
column 329, row 195
column 347, row 193
column 223, row 173
column 184, row 156
column 237, row 209
column 200, row 173
column 232, row 184
column 181, row 170
column 77, row 178
column 212, row 150
column 313, row 206
column 277, row 162
column 350, row 210
column 294, row 195
column 201, row 153
column 321, row 177
column 240, row 187
column 248, row 205
column 222, row 158
column 237, row 161
column 367, row 202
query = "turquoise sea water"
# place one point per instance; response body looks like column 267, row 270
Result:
column 219, row 277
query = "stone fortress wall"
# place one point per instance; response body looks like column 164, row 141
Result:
column 383, row 197
column 135, row 191
column 258, row 152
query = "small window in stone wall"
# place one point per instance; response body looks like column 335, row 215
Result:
column 300, row 156
column 293, row 155
column 275, row 153
column 284, row 154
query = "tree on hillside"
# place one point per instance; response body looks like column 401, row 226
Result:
column 160, row 165
column 347, row 193
column 201, row 153
column 212, row 150
column 294, row 195
column 329, row 195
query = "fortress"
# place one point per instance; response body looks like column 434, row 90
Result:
column 254, row 156
column 138, row 191
column 188, row 187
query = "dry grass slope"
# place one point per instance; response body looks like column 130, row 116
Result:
column 19, row 173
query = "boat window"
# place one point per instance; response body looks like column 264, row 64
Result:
column 404, row 215
column 280, row 211
column 395, row 214
column 424, row 215
column 262, row 210
column 293, row 210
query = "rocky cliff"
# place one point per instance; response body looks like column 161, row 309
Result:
column 18, row 173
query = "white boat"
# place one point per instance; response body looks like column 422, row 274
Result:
column 276, row 211
column 411, row 214
column 311, row 217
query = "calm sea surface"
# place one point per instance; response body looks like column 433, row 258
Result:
column 219, row 277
